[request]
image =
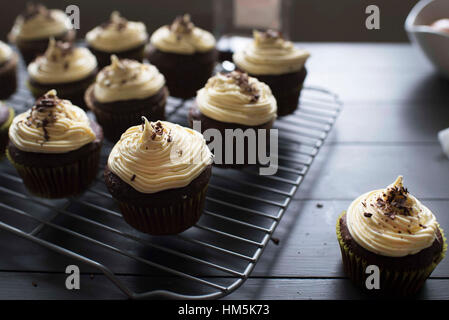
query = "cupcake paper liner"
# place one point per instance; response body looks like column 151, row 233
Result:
column 173, row 219
column 395, row 282
column 59, row 182
column 4, row 132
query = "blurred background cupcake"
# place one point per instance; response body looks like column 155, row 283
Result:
column 33, row 29
column 126, row 39
column 159, row 172
column 125, row 91
column 8, row 71
column 68, row 69
column 276, row 62
column 234, row 101
column 185, row 54
column 54, row 147
column 393, row 230
column 6, row 116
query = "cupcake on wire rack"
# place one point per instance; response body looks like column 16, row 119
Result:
column 125, row 91
column 125, row 39
column 391, row 229
column 33, row 29
column 185, row 54
column 276, row 62
column 6, row 116
column 54, row 147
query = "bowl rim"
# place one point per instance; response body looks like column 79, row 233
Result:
column 410, row 20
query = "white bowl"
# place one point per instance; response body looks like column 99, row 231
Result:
column 434, row 44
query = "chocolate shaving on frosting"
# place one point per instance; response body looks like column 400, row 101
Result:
column 242, row 80
column 43, row 107
column 393, row 202
column 33, row 10
column 182, row 24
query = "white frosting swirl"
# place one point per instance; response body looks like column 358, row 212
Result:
column 269, row 54
column 182, row 37
column 117, row 35
column 391, row 222
column 127, row 79
column 5, row 52
column 62, row 63
column 157, row 156
column 51, row 126
column 237, row 98
column 39, row 22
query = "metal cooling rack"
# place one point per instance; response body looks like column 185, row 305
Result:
column 211, row 259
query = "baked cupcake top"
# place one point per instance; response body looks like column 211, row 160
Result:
column 5, row 52
column 182, row 37
column 62, row 63
column 269, row 53
column 236, row 98
column 127, row 79
column 52, row 125
column 117, row 34
column 157, row 156
column 391, row 222
column 38, row 22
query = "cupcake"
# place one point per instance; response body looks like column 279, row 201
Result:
column 234, row 101
column 275, row 61
column 125, row 91
column 158, row 172
column 185, row 54
column 33, row 29
column 55, row 147
column 8, row 71
column 391, row 229
column 6, row 116
column 65, row 68
column 126, row 39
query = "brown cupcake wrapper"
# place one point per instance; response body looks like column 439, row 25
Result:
column 4, row 128
column 59, row 182
column 104, row 58
column 287, row 102
column 173, row 219
column 392, row 282
column 8, row 77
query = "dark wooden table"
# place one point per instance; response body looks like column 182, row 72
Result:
column 394, row 105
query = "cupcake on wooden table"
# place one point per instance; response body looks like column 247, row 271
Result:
column 33, row 29
column 8, row 71
column 68, row 69
column 6, row 117
column 55, row 147
column 125, row 91
column 393, row 230
column 276, row 62
column 234, row 101
column 126, row 39
column 158, row 172
column 185, row 54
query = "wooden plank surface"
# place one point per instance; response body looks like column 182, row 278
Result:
column 394, row 106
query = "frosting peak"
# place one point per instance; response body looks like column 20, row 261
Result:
column 117, row 35
column 391, row 222
column 127, row 79
column 52, row 125
column 237, row 98
column 157, row 156
column 62, row 63
column 182, row 37
column 5, row 52
column 38, row 22
column 270, row 53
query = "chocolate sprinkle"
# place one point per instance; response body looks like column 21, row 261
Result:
column 242, row 80
column 367, row 214
column 133, row 177
column 393, row 202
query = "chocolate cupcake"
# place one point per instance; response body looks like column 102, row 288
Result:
column 126, row 39
column 237, row 102
column 6, row 116
column 391, row 229
column 8, row 71
column 55, row 148
column 67, row 69
column 124, row 92
column 158, row 172
column 185, row 55
column 276, row 62
column 33, row 29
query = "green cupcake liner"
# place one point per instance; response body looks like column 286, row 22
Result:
column 401, row 283
column 173, row 219
column 4, row 128
column 59, row 182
